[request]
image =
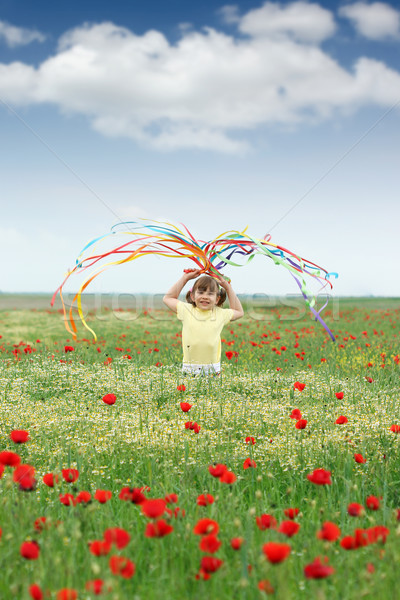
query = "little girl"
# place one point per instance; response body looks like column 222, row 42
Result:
column 203, row 319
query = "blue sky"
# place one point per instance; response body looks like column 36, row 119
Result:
column 281, row 116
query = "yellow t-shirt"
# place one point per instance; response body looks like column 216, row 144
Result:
column 201, row 332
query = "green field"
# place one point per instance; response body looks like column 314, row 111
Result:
column 141, row 442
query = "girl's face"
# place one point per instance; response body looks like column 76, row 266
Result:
column 204, row 299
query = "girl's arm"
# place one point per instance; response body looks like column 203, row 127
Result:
column 234, row 302
column 171, row 297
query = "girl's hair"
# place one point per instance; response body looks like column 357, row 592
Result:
column 205, row 283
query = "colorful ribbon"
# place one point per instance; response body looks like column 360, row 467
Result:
column 166, row 239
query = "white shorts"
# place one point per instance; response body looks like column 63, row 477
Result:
column 193, row 369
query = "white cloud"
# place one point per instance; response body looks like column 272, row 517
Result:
column 208, row 90
column 19, row 36
column 300, row 20
column 375, row 21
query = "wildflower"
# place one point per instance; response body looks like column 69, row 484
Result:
column 348, row 543
column 158, row 528
column 217, row 470
column 249, row 463
column 359, row 459
column 39, row 524
column 83, row 497
column 329, row 532
column 317, row 569
column 30, row 550
column 153, row 508
column 320, row 477
column 9, row 459
column 299, row 386
column 109, row 399
column 228, row 477
column 102, row 496
column 265, row 586
column 229, row 354
column 372, row 502
column 301, row 424
column 210, row 543
column 291, row 513
column 210, row 564
column 181, row 388
column 341, row 420
column 119, row 565
column 192, row 426
column 236, row 543
column 185, row 406
column 67, row 594
column 70, row 475
column 250, row 440
column 68, row 349
column 369, row 379
column 205, row 499
column 35, row 592
column 95, row 586
column 206, row 527
column 117, row 536
column 395, row 428
column 266, row 522
column 134, row 495
column 339, row 395
column 355, row 510
column 67, row 500
column 171, row 498
column 276, row 553
column 24, row 475
column 19, row 436
column 99, row 547
column 296, row 414
column 289, row 528
column 50, row 479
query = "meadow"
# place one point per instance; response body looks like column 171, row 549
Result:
column 123, row 479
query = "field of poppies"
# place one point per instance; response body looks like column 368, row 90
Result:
column 122, row 479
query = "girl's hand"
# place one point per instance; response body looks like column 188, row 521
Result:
column 192, row 273
column 223, row 282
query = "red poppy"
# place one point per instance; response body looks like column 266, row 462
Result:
column 372, row 502
column 329, row 532
column 19, row 436
column 2, row 468
column 158, row 528
column 153, row 508
column 265, row 586
column 109, row 399
column 266, row 522
column 296, row 414
column 317, row 569
column 70, row 475
column 320, row 477
column 30, row 550
column 100, row 547
column 359, row 459
column 119, row 565
column 205, row 499
column 301, row 424
column 68, row 348
column 395, row 428
column 117, row 536
column 291, row 513
column 35, row 592
column 250, row 440
column 341, row 420
column 289, row 528
column 348, row 543
column 95, row 586
column 210, row 564
column 236, row 543
column 134, row 495
column 67, row 500
column 185, row 406
column 210, row 543
column 171, row 498
column 299, row 386
column 206, row 527
column 354, row 509
column 181, row 388
column 228, row 477
column 9, row 459
column 339, row 395
column 83, row 497
column 249, row 463
column 24, row 475
column 102, row 496
column 217, row 470
column 369, row 379
column 67, row 594
column 276, row 553
column 229, row 354
column 50, row 479
column 39, row 524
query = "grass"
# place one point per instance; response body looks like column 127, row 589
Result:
column 141, row 440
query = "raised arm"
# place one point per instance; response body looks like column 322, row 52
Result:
column 171, row 297
column 234, row 302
